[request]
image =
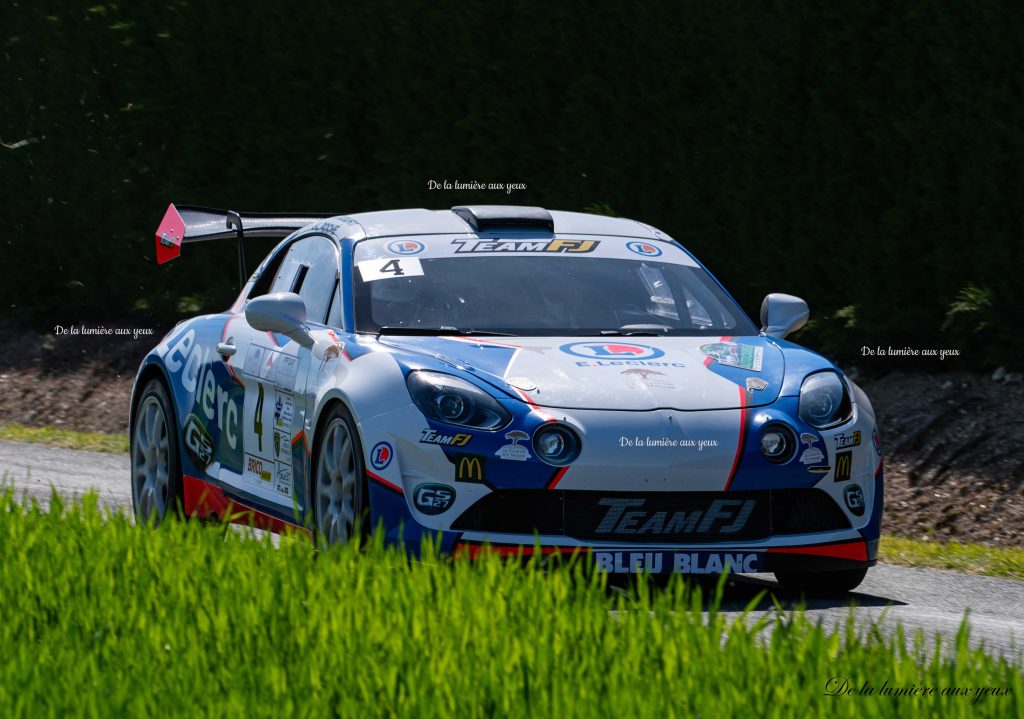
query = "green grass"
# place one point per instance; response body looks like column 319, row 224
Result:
column 68, row 438
column 103, row 618
column 973, row 558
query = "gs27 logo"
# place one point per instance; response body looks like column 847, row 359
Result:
column 198, row 442
column 433, row 498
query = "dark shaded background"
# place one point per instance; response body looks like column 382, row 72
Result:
column 863, row 156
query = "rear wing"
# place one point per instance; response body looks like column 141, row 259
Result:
column 187, row 224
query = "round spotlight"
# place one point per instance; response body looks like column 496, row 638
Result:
column 557, row 444
column 773, row 444
column 551, row 444
column 778, row 443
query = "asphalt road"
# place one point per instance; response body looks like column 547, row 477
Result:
column 36, row 469
column 932, row 600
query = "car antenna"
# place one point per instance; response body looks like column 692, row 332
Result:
column 235, row 222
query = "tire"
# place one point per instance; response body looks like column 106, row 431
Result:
column 155, row 465
column 340, row 495
column 822, row 584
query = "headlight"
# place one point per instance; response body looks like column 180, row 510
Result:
column 824, row 401
column 556, row 444
column 778, row 443
column 454, row 401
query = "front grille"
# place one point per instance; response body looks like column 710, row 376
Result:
column 654, row 516
column 797, row 511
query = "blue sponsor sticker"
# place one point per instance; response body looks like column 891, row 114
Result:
column 646, row 249
column 612, row 350
column 380, row 455
column 406, row 247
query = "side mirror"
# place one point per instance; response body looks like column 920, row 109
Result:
column 283, row 312
column 782, row 314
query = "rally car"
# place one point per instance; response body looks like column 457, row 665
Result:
column 511, row 378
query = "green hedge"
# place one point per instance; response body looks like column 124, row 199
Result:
column 866, row 156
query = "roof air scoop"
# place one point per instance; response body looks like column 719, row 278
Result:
column 490, row 218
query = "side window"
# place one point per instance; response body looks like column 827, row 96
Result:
column 263, row 282
column 310, row 269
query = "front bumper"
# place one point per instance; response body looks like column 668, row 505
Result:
column 834, row 556
column 806, row 552
column 524, row 507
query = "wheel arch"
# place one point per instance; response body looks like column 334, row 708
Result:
column 331, row 398
column 153, row 370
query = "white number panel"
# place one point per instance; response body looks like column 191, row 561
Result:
column 269, row 416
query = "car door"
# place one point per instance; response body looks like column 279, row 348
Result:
column 272, row 370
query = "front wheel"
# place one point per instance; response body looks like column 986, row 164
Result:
column 156, row 471
column 339, row 483
column 822, row 584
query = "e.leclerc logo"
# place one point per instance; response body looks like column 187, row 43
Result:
column 380, row 455
column 644, row 248
column 408, row 247
column 616, row 354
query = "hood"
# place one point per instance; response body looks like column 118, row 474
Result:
column 618, row 373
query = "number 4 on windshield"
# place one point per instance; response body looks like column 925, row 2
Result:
column 389, row 268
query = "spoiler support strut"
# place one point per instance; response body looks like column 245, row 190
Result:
column 234, row 221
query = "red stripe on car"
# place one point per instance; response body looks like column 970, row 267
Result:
column 204, row 499
column 557, row 478
column 301, row 437
column 471, row 550
column 390, row 485
column 857, row 551
column 743, row 434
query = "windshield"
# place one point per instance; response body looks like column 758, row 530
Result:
column 523, row 290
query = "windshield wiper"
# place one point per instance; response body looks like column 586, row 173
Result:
column 443, row 330
column 640, row 330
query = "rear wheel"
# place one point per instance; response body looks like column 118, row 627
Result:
column 822, row 584
column 339, row 486
column 156, row 471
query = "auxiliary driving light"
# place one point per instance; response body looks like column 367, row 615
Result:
column 778, row 443
column 557, row 444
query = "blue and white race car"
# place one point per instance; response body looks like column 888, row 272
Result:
column 513, row 378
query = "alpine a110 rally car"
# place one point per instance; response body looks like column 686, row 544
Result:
column 511, row 377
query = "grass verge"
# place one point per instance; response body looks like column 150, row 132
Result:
column 973, row 558
column 68, row 438
column 105, row 618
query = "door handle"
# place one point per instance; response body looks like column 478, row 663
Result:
column 225, row 349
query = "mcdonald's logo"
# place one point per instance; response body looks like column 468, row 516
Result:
column 844, row 466
column 470, row 468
